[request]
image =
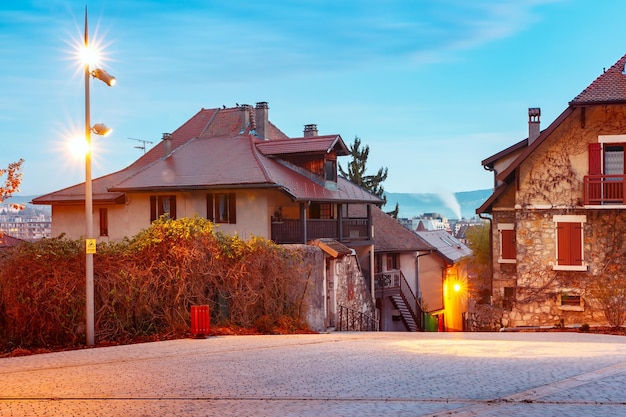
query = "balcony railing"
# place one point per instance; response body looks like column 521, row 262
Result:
column 292, row 230
column 604, row 190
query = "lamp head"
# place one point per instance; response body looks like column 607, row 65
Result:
column 104, row 76
column 101, row 129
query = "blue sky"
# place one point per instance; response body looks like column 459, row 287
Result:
column 433, row 87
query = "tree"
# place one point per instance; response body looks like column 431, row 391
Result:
column 356, row 173
column 13, row 179
column 479, row 265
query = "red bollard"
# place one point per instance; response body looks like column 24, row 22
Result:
column 200, row 321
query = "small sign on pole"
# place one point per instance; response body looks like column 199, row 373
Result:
column 90, row 245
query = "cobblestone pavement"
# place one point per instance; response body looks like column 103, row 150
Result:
column 335, row 374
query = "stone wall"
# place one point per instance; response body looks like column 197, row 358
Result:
column 352, row 291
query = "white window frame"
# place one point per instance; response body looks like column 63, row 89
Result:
column 504, row 226
column 569, row 218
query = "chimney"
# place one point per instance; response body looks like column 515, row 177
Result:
column 310, row 130
column 261, row 114
column 534, row 115
column 167, row 144
column 245, row 112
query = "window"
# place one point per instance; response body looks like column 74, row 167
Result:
column 323, row 211
column 104, row 222
column 570, row 302
column 330, row 170
column 162, row 205
column 378, row 263
column 221, row 208
column 606, row 170
column 508, row 251
column 393, row 261
column 569, row 243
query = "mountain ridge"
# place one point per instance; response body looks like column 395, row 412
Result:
column 450, row 205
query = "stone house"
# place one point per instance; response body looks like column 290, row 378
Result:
column 236, row 168
column 557, row 210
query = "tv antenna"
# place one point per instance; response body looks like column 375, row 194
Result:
column 143, row 144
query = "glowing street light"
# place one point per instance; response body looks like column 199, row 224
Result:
column 99, row 129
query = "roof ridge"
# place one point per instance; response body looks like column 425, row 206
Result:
column 217, row 110
column 145, row 167
column 608, row 87
column 257, row 157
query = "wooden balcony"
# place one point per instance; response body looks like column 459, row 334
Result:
column 345, row 230
column 604, row 190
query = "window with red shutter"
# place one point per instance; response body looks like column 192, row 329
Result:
column 163, row 204
column 569, row 243
column 221, row 207
column 508, row 244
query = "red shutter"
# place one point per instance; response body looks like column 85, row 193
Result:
column 576, row 244
column 569, row 241
column 209, row 207
column 173, row 207
column 595, row 159
column 153, row 208
column 508, row 244
column 563, row 239
column 232, row 208
column 104, row 222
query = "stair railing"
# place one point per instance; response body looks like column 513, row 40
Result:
column 352, row 320
column 411, row 302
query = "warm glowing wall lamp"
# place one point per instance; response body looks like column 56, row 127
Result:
column 104, row 76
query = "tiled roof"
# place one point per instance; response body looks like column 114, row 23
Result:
column 311, row 144
column 446, row 245
column 7, row 241
column 234, row 162
column 391, row 236
column 609, row 87
column 331, row 247
column 216, row 148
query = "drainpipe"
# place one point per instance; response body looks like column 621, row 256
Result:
column 490, row 255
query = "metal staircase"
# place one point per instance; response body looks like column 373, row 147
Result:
column 392, row 284
column 405, row 313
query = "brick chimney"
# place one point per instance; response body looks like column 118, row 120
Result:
column 261, row 114
column 245, row 115
column 534, row 116
column 167, row 144
column 310, row 130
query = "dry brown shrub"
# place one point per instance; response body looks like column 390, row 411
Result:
column 145, row 285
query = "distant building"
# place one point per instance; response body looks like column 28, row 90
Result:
column 429, row 221
column 26, row 224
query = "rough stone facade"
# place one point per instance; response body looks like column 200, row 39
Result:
column 351, row 289
column 549, row 183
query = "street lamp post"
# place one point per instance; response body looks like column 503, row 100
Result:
column 89, row 239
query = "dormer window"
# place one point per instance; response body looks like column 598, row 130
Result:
column 330, row 170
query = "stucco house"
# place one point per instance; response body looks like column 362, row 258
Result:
column 236, row 168
column 443, row 279
column 557, row 210
column 415, row 273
